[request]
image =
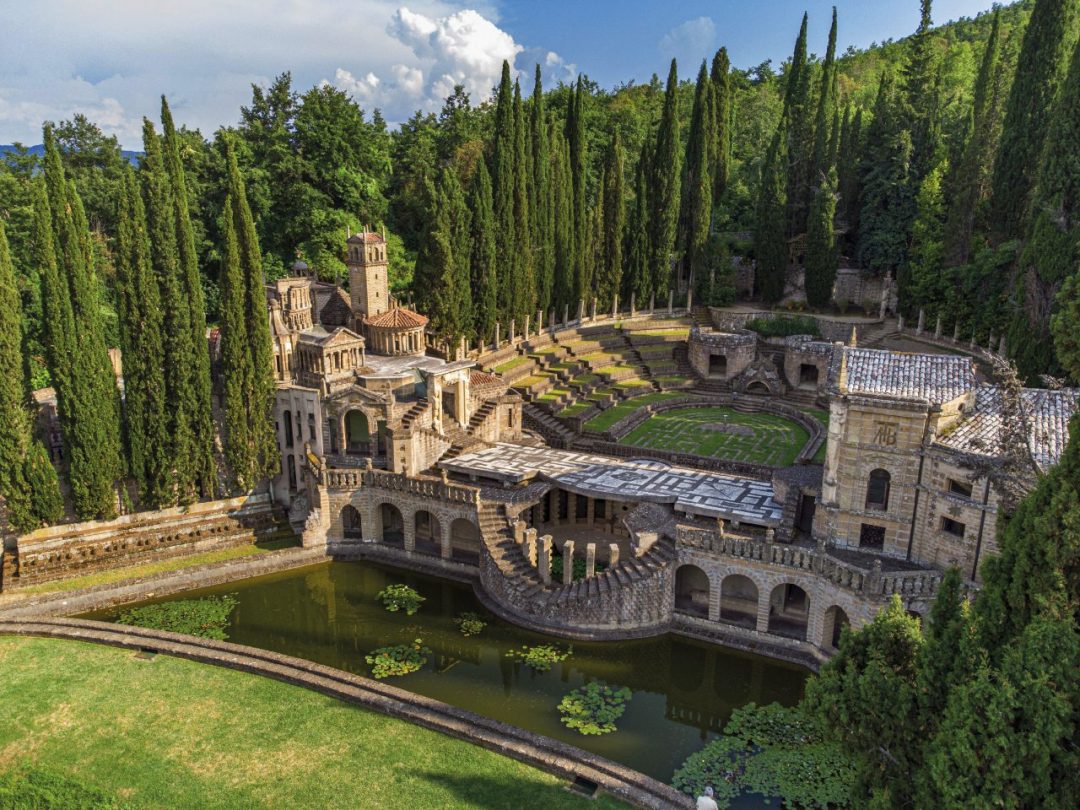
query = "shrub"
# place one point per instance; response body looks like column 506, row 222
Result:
column 784, row 326
column 400, row 597
column 41, row 789
column 470, row 624
column 594, row 708
column 541, row 657
column 400, row 659
column 579, row 568
column 207, row 617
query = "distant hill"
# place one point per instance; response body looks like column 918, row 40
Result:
column 39, row 151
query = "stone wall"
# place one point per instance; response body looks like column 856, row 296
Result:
column 854, row 288
column 738, row 348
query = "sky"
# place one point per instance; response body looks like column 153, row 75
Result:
column 112, row 59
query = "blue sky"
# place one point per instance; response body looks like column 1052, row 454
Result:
column 112, row 59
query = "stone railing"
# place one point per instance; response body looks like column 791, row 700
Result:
column 744, row 469
column 425, row 487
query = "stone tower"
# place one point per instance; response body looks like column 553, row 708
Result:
column 368, row 285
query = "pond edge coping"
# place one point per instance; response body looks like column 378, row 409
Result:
column 545, row 753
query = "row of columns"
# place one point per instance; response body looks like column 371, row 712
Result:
column 539, row 551
column 993, row 344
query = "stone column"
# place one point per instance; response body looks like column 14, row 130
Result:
column 545, row 559
column 539, row 320
column 593, row 317
column 613, row 555
column 571, row 508
column 568, row 562
column 551, row 321
column 526, row 327
column 519, row 531
column 990, row 342
column 652, row 304
column 922, row 321
column 590, row 561
column 590, row 510
column 496, row 334
column 974, row 342
column 512, row 324
column 530, row 546
column 565, row 315
column 937, row 329
column 1001, row 345
column 900, row 323
column 956, row 333
column 445, row 550
column 671, row 302
column 714, row 602
column 689, row 300
column 580, row 310
column 632, row 309
column 614, row 306
column 408, row 529
column 764, row 595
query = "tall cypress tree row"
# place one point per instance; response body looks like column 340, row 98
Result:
column 921, row 281
column 30, row 499
column 921, row 97
column 236, row 357
column 576, row 141
column 848, row 170
column 523, row 297
column 664, row 195
column 564, row 294
column 485, row 284
column 202, row 422
column 821, row 254
column 1051, row 255
column 1039, row 72
column 698, row 182
column 261, row 454
column 639, row 276
column 146, row 405
column 723, row 114
column 442, row 265
column 821, row 160
column 502, row 186
column 179, row 358
column 614, row 224
column 87, row 396
column 770, row 229
column 797, row 117
column 971, row 178
column 542, row 211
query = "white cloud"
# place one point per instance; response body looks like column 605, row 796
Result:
column 112, row 59
column 689, row 43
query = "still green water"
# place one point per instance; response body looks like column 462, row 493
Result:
column 684, row 691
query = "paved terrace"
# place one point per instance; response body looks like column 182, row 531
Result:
column 696, row 492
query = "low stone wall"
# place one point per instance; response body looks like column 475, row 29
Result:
column 831, row 329
column 73, row 549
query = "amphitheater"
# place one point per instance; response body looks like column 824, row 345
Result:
column 629, row 472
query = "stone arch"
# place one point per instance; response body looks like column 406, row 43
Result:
column 878, row 484
column 428, row 532
column 357, row 432
column 391, row 524
column 758, row 387
column 691, row 591
column 351, row 522
column 465, row 540
column 789, row 611
column 835, row 620
column 739, row 601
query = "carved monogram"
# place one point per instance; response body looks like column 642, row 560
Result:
column 885, row 433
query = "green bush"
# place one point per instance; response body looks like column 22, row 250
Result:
column 40, row 789
column 594, row 708
column 470, row 624
column 400, row 659
column 207, row 617
column 784, row 326
column 579, row 568
column 400, row 597
column 541, row 657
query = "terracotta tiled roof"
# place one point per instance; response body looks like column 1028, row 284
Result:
column 397, row 318
column 482, row 378
column 1046, row 417
column 366, row 238
column 937, row 378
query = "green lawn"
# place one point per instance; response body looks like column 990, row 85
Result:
column 172, row 733
column 615, row 413
column 512, row 363
column 762, row 438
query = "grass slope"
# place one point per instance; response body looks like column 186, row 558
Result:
column 173, row 733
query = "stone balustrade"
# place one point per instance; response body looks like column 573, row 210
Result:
column 425, row 487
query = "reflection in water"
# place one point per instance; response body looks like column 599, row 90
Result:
column 684, row 691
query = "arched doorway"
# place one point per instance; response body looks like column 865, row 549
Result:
column 692, row 591
column 739, row 601
column 465, row 541
column 393, row 525
column 357, row 435
column 789, row 611
column 758, row 388
column 835, row 622
column 351, row 525
column 428, row 533
column 877, row 490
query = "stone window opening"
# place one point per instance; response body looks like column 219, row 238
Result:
column 311, row 426
column 717, row 365
column 953, row 527
column 808, row 375
column 877, row 490
column 959, row 488
column 292, row 473
column 288, row 429
column 871, row 536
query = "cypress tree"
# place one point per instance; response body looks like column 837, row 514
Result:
column 723, row 113
column 821, row 161
column 565, row 241
column 202, row 423
column 542, row 211
column 1039, row 72
column 236, row 357
column 638, row 279
column 262, row 451
column 179, row 356
column 502, row 186
column 948, row 656
column 849, row 170
column 576, row 142
column 821, row 254
column 921, row 91
column 799, row 146
column 146, row 415
column 698, row 183
column 972, row 176
column 482, row 258
column 921, row 281
column 89, row 401
column 614, row 224
column 523, row 293
column 1051, row 255
column 770, row 229
column 664, row 193
column 442, row 265
column 30, row 499
column 597, row 247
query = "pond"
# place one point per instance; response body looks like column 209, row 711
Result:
column 683, row 691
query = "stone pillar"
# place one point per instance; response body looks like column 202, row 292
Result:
column 565, row 315
column 580, row 310
column 764, row 596
column 990, row 342
column 632, row 310
column 408, row 530
column 590, row 510
column 614, row 306
column 1001, row 346
column 671, row 302
column 526, row 327
column 530, row 546
column 590, row 561
column 689, row 300
column 545, row 559
column 519, row 531
column 652, row 304
column 512, row 324
column 900, row 323
column 445, row 550
column 922, row 321
column 571, row 508
column 539, row 320
column 551, row 321
column 956, row 333
column 974, row 342
column 593, row 317
column 814, row 619
column 613, row 555
column 496, row 334
column 937, row 329
column 568, row 562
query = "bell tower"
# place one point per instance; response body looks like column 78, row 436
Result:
column 368, row 285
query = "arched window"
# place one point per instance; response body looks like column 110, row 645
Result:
column 877, row 490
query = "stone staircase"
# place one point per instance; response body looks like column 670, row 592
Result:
column 550, row 427
column 521, row 578
column 480, row 416
column 414, row 413
column 626, row 572
column 701, row 317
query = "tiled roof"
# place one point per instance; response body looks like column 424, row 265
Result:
column 336, row 309
column 366, row 238
column 483, row 378
column 1046, row 414
column 934, row 377
column 397, row 318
